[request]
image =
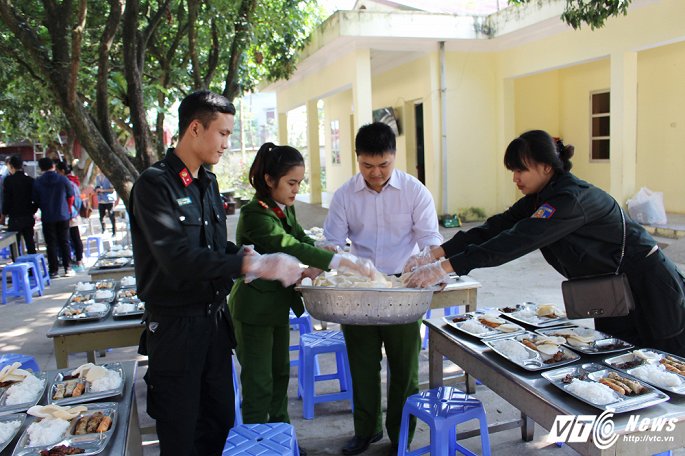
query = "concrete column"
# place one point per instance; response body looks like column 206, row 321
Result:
column 432, row 133
column 361, row 89
column 623, row 129
column 282, row 128
column 314, row 165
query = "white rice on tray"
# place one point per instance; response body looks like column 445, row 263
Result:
column 656, row 375
column 47, row 431
column 7, row 429
column 473, row 326
column 25, row 391
column 512, row 350
column 592, row 391
column 112, row 380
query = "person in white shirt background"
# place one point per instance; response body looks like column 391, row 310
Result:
column 389, row 216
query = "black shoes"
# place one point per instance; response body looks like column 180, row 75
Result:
column 302, row 451
column 357, row 445
column 394, row 449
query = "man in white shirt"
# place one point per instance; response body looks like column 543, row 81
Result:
column 388, row 215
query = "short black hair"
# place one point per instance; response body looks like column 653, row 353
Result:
column 46, row 164
column 63, row 166
column 275, row 161
column 374, row 139
column 203, row 106
column 538, row 146
column 15, row 161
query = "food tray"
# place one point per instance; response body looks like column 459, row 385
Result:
column 519, row 313
column 535, row 361
column 366, row 306
column 595, row 372
column 602, row 344
column 87, row 395
column 78, row 297
column 615, row 361
column 105, row 284
column 16, row 408
column 111, row 263
column 487, row 332
column 7, row 419
column 84, row 315
column 120, row 308
column 86, row 287
column 127, row 282
column 93, row 443
column 104, row 295
column 127, row 294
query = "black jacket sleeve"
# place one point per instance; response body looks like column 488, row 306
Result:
column 523, row 236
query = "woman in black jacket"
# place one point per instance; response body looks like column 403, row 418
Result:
column 579, row 230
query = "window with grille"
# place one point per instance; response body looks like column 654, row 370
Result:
column 600, row 118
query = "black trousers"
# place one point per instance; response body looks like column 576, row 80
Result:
column 189, row 382
column 57, row 240
column 104, row 209
column 76, row 242
column 23, row 225
column 658, row 320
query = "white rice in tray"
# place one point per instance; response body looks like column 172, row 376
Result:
column 592, row 391
column 47, row 431
column 654, row 374
column 512, row 350
column 473, row 326
column 112, row 380
column 25, row 391
column 7, row 430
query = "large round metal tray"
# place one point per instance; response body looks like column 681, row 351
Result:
column 366, row 306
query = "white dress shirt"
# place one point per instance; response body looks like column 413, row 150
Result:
column 386, row 227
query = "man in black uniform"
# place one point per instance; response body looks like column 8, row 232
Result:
column 184, row 270
column 18, row 203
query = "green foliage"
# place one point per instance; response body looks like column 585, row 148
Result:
column 593, row 13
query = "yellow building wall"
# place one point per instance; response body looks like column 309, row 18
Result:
column 472, row 126
column 661, row 123
column 537, row 103
column 575, row 85
column 337, row 107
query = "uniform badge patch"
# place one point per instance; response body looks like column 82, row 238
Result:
column 185, row 177
column 544, row 212
column 263, row 204
column 184, row 201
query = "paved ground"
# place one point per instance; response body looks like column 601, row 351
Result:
column 23, row 329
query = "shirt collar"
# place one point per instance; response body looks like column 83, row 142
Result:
column 394, row 181
column 177, row 166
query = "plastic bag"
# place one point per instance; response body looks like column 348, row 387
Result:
column 647, row 207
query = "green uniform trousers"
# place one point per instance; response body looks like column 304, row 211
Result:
column 265, row 371
column 402, row 346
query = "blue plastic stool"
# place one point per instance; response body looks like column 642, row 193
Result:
column 236, row 393
column 262, row 439
column 304, row 325
column 41, row 265
column 316, row 343
column 98, row 246
column 454, row 310
column 21, row 283
column 442, row 409
column 27, row 361
column 5, row 253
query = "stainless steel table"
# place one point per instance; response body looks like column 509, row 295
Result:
column 461, row 292
column 540, row 401
column 126, row 438
column 9, row 239
column 111, row 273
column 81, row 336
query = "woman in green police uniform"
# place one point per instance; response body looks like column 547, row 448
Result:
column 260, row 308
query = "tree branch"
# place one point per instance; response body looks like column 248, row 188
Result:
column 238, row 45
column 76, row 39
column 101, row 93
column 213, row 59
column 193, row 6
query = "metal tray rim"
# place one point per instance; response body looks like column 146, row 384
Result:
column 16, row 408
column 13, row 417
column 680, row 390
column 573, row 355
column 542, row 331
column 87, row 397
column 483, row 336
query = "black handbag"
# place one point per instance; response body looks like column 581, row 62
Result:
column 600, row 296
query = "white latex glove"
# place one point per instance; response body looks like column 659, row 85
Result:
column 328, row 245
column 346, row 262
column 274, row 266
column 426, row 276
column 421, row 258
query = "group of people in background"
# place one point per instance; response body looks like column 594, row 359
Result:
column 186, row 268
column 57, row 193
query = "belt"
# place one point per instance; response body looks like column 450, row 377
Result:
column 196, row 310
